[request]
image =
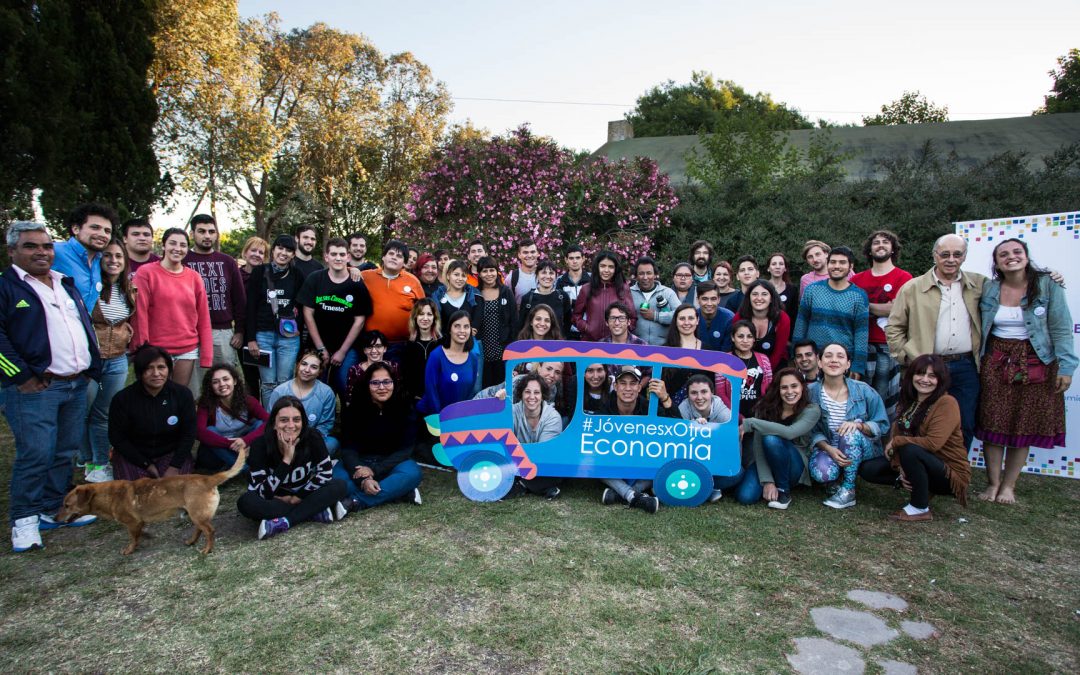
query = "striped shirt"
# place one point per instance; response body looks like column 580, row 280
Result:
column 835, row 411
column 117, row 309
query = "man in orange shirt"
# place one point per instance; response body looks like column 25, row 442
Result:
column 393, row 293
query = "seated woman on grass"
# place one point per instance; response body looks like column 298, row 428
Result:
column 317, row 396
column 781, row 424
column 926, row 452
column 378, row 432
column 152, row 421
column 227, row 418
column 852, row 422
column 291, row 474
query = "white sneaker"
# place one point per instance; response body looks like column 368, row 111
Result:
column 47, row 522
column 715, row 496
column 25, row 534
column 101, row 474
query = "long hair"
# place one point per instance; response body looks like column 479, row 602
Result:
column 674, row 338
column 236, row 404
column 746, row 311
column 526, row 332
column 454, row 318
column 414, row 331
column 786, row 276
column 771, row 406
column 273, row 452
column 124, row 279
column 1031, row 272
column 908, row 395
column 361, row 397
column 618, row 282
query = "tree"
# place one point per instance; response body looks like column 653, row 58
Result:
column 1066, row 96
column 520, row 185
column 672, row 109
column 910, row 108
column 759, row 157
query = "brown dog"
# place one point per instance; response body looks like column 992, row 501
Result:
column 146, row 500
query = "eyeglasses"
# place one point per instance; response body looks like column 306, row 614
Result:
column 381, row 384
column 617, row 319
column 375, row 346
column 950, row 254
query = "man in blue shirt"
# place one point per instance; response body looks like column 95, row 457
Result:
column 714, row 321
column 91, row 227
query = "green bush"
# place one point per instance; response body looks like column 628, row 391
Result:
column 918, row 198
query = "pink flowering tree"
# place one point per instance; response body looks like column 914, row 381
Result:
column 520, row 186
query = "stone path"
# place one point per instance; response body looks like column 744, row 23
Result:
column 814, row 655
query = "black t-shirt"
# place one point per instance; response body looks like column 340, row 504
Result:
column 307, row 267
column 751, row 386
column 335, row 306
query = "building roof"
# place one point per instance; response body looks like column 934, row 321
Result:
column 973, row 142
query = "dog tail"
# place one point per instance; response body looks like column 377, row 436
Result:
column 241, row 457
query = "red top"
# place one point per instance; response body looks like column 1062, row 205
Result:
column 880, row 290
column 172, row 312
column 777, row 351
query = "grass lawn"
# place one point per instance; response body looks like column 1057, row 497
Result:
column 566, row 586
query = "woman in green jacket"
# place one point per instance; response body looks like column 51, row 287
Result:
column 782, row 423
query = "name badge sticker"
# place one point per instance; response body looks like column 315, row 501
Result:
column 453, row 377
column 173, row 419
column 407, row 289
column 888, row 287
column 1039, row 311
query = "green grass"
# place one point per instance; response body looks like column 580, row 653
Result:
column 567, row 586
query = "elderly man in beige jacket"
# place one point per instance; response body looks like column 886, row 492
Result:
column 938, row 313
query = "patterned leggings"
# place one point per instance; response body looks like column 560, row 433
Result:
column 824, row 470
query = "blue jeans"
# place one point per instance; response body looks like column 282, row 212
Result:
column 94, row 448
column 47, row 427
column 402, row 479
column 746, row 484
column 964, row 388
column 626, row 490
column 284, row 350
column 218, row 458
column 785, row 461
column 336, row 376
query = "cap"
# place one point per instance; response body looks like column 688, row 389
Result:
column 286, row 241
column 629, row 370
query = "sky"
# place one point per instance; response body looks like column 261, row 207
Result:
column 584, row 63
column 569, row 67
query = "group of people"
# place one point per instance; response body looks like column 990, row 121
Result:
column 322, row 370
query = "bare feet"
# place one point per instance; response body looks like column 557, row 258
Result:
column 989, row 494
column 1006, row 495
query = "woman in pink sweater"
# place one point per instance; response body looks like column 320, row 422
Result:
column 606, row 286
column 171, row 309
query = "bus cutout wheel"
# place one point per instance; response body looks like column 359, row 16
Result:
column 486, row 476
column 683, row 482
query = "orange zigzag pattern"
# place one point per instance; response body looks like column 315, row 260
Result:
column 526, row 467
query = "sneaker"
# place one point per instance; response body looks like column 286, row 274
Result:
column 552, row 492
column 411, row 497
column 841, row 500
column 100, row 474
column 715, row 496
column 268, row 528
column 340, row 511
column 610, row 497
column 46, row 522
column 832, row 488
column 645, row 503
column 324, row 516
column 25, row 534
column 782, row 501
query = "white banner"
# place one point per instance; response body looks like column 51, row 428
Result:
column 1053, row 241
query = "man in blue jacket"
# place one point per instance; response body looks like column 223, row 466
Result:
column 47, row 350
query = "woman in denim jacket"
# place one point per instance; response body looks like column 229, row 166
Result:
column 850, row 428
column 1027, row 364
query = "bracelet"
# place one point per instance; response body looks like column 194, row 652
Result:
column 320, row 349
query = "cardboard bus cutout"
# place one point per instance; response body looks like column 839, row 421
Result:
column 680, row 456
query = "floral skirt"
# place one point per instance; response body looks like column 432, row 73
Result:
column 1018, row 414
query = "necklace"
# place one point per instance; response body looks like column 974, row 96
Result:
column 905, row 419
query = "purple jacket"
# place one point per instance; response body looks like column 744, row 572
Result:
column 589, row 311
